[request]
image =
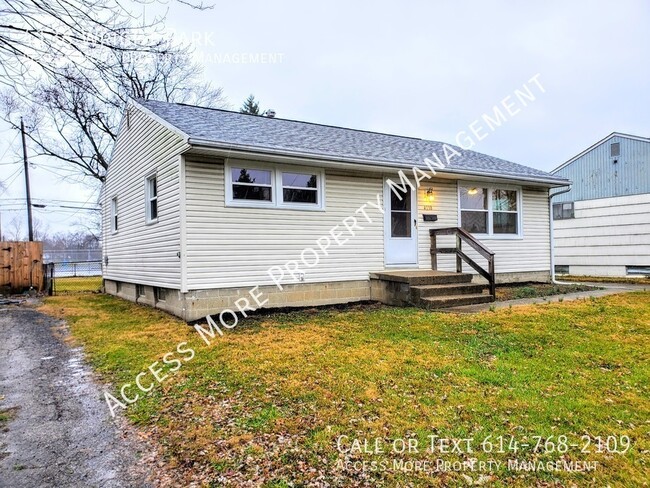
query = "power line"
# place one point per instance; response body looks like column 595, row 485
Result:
column 11, row 179
column 47, row 200
column 7, row 150
column 43, row 207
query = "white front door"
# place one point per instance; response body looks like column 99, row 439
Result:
column 400, row 226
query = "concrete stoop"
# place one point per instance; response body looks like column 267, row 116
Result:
column 427, row 289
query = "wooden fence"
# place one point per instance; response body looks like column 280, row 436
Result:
column 21, row 266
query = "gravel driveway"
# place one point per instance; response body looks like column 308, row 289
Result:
column 59, row 431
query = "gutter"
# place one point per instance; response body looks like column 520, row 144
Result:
column 552, row 233
column 206, row 143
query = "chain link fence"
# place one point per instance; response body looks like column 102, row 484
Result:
column 74, row 277
column 71, row 255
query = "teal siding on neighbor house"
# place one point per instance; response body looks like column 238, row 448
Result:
column 596, row 175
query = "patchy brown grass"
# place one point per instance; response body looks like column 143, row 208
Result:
column 265, row 404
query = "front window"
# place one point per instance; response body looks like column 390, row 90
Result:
column 489, row 211
column 474, row 209
column 251, row 184
column 504, row 212
column 266, row 185
column 299, row 188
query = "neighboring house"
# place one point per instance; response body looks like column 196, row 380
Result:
column 602, row 226
column 199, row 205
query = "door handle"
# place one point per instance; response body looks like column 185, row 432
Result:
column 415, row 223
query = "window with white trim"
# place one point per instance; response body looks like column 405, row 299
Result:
column 490, row 211
column 151, row 191
column 265, row 185
column 114, row 214
column 299, row 188
column 474, row 209
column 251, row 184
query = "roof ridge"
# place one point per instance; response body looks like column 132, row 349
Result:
column 219, row 126
column 141, row 101
column 596, row 144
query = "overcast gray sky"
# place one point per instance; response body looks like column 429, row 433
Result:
column 422, row 68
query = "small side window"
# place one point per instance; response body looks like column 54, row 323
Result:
column 151, row 192
column 637, row 270
column 615, row 149
column 563, row 211
column 114, row 216
column 139, row 289
column 160, row 294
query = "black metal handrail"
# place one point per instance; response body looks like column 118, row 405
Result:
column 464, row 236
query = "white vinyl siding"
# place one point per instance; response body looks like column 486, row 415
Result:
column 200, row 242
column 531, row 252
column 235, row 246
column 141, row 253
column 606, row 235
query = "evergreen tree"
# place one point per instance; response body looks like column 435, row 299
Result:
column 250, row 106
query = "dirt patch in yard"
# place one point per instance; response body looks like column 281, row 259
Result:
column 538, row 290
column 640, row 280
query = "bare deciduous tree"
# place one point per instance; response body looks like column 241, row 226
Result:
column 14, row 231
column 70, row 66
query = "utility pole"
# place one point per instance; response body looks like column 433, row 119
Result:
column 30, row 225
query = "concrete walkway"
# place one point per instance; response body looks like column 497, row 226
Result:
column 606, row 289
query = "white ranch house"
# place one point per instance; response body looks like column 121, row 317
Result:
column 202, row 206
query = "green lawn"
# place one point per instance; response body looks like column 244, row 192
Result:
column 267, row 402
column 75, row 284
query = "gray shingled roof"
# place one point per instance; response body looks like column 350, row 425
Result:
column 232, row 128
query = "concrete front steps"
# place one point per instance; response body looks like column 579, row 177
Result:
column 427, row 289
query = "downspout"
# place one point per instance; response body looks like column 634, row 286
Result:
column 552, row 234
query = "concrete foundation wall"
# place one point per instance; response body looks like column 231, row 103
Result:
column 390, row 292
column 196, row 304
column 519, row 277
column 173, row 299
